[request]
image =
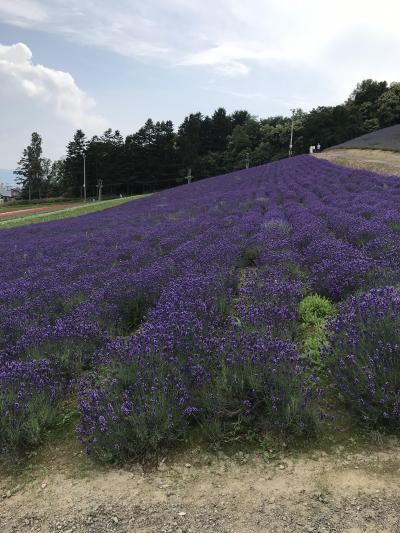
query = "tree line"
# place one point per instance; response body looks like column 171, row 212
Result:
column 158, row 157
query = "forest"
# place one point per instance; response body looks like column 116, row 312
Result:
column 158, row 156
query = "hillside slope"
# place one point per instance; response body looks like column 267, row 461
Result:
column 383, row 139
column 171, row 332
column 378, row 151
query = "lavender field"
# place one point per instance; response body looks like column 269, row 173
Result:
column 225, row 307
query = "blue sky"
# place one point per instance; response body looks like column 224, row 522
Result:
column 83, row 64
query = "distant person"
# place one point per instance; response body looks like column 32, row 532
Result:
column 312, row 149
column 318, row 147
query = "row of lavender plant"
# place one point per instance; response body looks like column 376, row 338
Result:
column 182, row 308
column 357, row 250
column 110, row 300
column 198, row 359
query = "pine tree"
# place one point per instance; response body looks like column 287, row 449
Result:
column 189, row 141
column 221, row 128
column 76, row 150
column 30, row 166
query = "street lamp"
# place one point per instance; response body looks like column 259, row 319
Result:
column 84, row 177
column 291, row 134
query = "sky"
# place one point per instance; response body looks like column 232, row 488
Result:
column 95, row 64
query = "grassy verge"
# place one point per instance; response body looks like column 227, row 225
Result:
column 68, row 212
column 22, row 205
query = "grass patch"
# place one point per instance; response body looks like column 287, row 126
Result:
column 22, row 205
column 69, row 212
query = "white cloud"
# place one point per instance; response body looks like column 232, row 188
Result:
column 229, row 37
column 33, row 95
column 22, row 12
column 54, row 88
column 282, row 52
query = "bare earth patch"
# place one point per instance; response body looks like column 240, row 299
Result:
column 333, row 492
column 381, row 161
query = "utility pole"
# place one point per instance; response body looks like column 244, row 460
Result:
column 247, row 159
column 291, row 134
column 189, row 176
column 84, row 177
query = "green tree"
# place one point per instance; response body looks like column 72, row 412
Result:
column 389, row 106
column 56, row 177
column 188, row 141
column 45, row 183
column 165, row 153
column 215, row 163
column 30, row 170
column 368, row 91
column 221, row 127
column 240, row 117
column 331, row 125
column 105, row 160
column 73, row 175
column 243, row 140
column 152, row 155
column 365, row 100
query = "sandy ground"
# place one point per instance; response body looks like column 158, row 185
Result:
column 381, row 161
column 334, row 491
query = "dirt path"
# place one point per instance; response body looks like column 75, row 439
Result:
column 381, row 161
column 335, row 492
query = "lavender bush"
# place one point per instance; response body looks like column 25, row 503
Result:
column 364, row 356
column 29, row 403
column 183, row 309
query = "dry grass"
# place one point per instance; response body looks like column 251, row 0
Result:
column 381, row 161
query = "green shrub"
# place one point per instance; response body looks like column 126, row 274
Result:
column 315, row 308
